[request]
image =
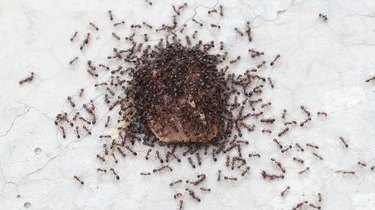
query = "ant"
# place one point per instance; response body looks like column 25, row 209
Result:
column 63, row 131
column 79, row 180
column 27, row 79
column 362, row 164
column 110, row 15
column 323, row 17
column 313, row 146
column 278, row 165
column 175, row 182
column 73, row 60
column 270, row 81
column 322, row 113
column 119, row 23
column 239, row 32
column 221, row 10
column 116, row 36
column 177, row 195
column 219, row 175
column 232, row 178
column 283, row 132
column 162, row 168
column 344, row 142
column 114, row 173
column 275, row 59
column 371, row 79
column 318, row 156
column 74, row 36
column 192, row 194
column 85, row 42
column 245, row 171
column 303, row 171
column 283, row 193
column 93, row 25
column 72, row 104
column 145, row 173
column 298, row 160
column 286, row 149
column 205, row 189
column 101, row 170
column 81, row 92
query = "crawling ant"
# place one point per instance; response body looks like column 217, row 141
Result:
column 119, row 23
column 72, row 104
column 283, row 193
column 278, row 143
column 283, row 132
column 77, row 132
column 192, row 194
column 299, row 205
column 148, row 2
column 318, row 156
column 221, row 10
column 116, row 36
column 110, row 15
column 319, row 197
column 215, row 26
column 147, row 25
column 371, row 79
column 101, row 170
column 205, row 189
column 93, row 25
column 177, row 195
column 85, row 42
column 254, row 155
column 299, row 147
column 313, row 146
column 362, row 164
column 283, row 114
column 322, row 113
column 248, row 31
column 345, row 172
column 100, row 158
column 313, row 206
column 175, row 182
column 270, row 120
column 27, row 79
column 261, row 64
column 266, row 131
column 323, row 17
column 278, row 165
column 218, row 175
column 239, row 32
column 107, row 123
column 275, row 59
column 270, row 81
column 63, row 131
column 162, row 168
column 79, row 180
column 81, row 92
column 212, row 11
column 158, row 157
column 243, row 173
column 298, row 160
column 73, row 60
column 266, row 175
column 121, row 152
column 114, row 173
column 201, row 178
column 197, row 22
column 290, row 123
column 198, row 158
column 303, row 171
column 306, row 111
column 145, row 173
column 74, row 36
column 286, row 149
column 130, row 150
column 255, row 53
column 231, row 178
column 344, row 142
column 86, row 129
column 304, row 122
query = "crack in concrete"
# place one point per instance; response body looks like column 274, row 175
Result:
column 13, row 121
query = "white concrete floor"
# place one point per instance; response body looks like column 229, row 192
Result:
column 323, row 66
